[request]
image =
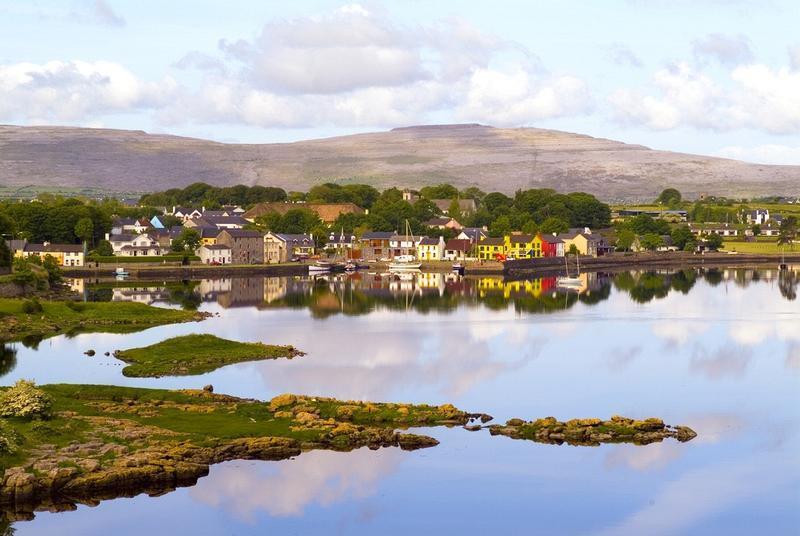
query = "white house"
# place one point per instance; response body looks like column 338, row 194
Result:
column 214, row 254
column 127, row 245
column 457, row 249
column 430, row 249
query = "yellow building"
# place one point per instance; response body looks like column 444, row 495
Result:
column 490, row 248
column 519, row 246
column 64, row 254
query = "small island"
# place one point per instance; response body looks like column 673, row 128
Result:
column 66, row 444
column 23, row 319
column 190, row 355
column 592, row 432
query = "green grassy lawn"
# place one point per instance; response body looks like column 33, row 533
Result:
column 59, row 317
column 760, row 246
column 195, row 354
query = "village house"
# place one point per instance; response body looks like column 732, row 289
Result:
column 723, row 229
column 585, row 242
column 64, row 254
column 410, row 197
column 521, row 246
column 186, row 213
column 770, row 229
column 343, row 243
column 444, row 222
column 473, row 234
column 327, row 212
column 247, row 247
column 465, row 206
column 551, row 245
column 403, row 245
column 375, row 245
column 130, row 225
column 430, row 249
column 491, row 249
column 225, row 222
column 214, row 254
column 758, row 216
column 128, row 245
column 457, row 249
column 281, row 247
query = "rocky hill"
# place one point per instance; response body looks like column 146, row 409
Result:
column 464, row 155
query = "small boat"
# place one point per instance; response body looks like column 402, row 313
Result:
column 121, row 273
column 458, row 268
column 567, row 282
column 404, row 263
column 319, row 267
column 350, row 267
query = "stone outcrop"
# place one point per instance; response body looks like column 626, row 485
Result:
column 592, row 432
column 122, row 453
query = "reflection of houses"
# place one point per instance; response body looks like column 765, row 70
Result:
column 146, row 295
column 210, row 289
column 281, row 247
column 274, row 288
column 244, row 291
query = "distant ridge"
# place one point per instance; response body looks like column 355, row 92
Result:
column 462, row 154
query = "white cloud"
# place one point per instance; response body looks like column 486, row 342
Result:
column 75, row 90
column 763, row 154
column 98, row 12
column 517, row 97
column 755, row 96
column 727, row 49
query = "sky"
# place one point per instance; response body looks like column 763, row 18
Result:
column 711, row 77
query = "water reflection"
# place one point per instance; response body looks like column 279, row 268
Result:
column 362, row 293
column 8, row 359
column 715, row 349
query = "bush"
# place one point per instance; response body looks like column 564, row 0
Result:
column 31, row 306
column 25, row 401
column 78, row 307
column 8, row 439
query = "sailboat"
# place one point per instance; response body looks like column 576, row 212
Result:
column 573, row 283
column 405, row 262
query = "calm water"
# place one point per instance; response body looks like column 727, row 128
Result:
column 718, row 351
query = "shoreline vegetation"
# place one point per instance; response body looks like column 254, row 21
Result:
column 51, row 318
column 191, row 355
column 78, row 444
column 104, row 442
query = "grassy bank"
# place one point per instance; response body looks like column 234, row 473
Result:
column 58, row 317
column 107, row 441
column 195, row 354
column 759, row 246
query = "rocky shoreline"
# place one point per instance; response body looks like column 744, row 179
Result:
column 124, row 445
column 592, row 432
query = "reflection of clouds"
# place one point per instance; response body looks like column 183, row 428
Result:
column 729, row 360
column 711, row 428
column 678, row 333
column 706, row 492
column 644, row 458
column 619, row 358
column 793, row 357
column 287, row 487
column 383, row 358
column 750, row 333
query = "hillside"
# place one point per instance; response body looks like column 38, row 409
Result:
column 464, row 155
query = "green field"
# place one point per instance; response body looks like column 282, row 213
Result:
column 760, row 246
column 195, row 354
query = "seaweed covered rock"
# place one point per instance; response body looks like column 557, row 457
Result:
column 591, row 432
